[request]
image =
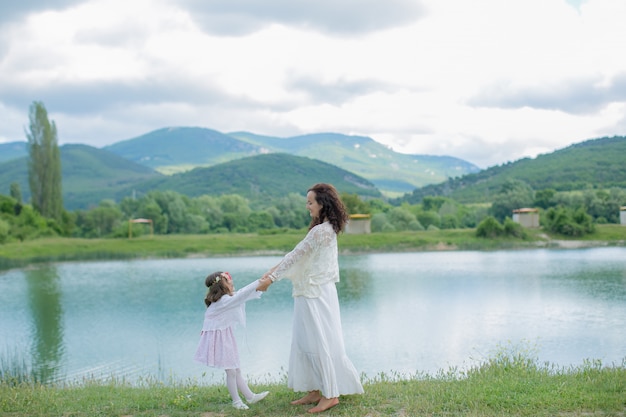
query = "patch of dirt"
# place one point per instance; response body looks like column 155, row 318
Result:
column 577, row 244
column 444, row 246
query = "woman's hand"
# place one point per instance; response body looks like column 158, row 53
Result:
column 264, row 283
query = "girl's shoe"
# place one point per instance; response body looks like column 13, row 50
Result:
column 239, row 405
column 258, row 397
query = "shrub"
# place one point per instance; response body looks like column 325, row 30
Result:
column 568, row 222
column 380, row 223
column 449, row 221
column 4, row 231
column 416, row 225
column 427, row 218
column 514, row 229
column 489, row 228
column 401, row 218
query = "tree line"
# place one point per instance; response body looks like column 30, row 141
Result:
column 566, row 213
column 173, row 213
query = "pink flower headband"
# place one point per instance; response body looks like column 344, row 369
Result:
column 225, row 275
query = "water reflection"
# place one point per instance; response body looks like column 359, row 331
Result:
column 44, row 301
column 354, row 285
column 604, row 283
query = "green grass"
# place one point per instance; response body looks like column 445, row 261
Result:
column 509, row 384
column 20, row 254
column 607, row 232
column 14, row 369
column 158, row 246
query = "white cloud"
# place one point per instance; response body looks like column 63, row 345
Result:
column 487, row 81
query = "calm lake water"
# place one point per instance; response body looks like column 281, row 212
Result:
column 403, row 313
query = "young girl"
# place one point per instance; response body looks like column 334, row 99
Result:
column 218, row 347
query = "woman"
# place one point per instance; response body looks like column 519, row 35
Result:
column 318, row 363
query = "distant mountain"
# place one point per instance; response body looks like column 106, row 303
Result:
column 89, row 175
column 12, row 150
column 177, row 149
column 172, row 150
column 390, row 171
column 596, row 163
column 260, row 178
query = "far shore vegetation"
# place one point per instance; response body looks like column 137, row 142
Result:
column 60, row 249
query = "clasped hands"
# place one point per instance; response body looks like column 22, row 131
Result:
column 264, row 282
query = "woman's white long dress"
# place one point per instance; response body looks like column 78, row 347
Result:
column 318, row 359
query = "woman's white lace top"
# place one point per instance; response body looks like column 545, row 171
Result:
column 312, row 262
column 230, row 309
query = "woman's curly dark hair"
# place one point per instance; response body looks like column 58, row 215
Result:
column 216, row 288
column 332, row 209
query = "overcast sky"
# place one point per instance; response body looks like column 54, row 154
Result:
column 488, row 81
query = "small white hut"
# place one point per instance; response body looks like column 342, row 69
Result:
column 622, row 215
column 359, row 224
column 527, row 217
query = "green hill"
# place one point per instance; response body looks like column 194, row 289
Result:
column 89, row 175
column 173, row 150
column 390, row 171
column 260, row 178
column 179, row 149
column 176, row 149
column 596, row 163
column 12, row 150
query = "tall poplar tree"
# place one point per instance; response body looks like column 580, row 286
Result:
column 44, row 165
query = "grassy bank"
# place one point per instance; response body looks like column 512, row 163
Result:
column 19, row 254
column 507, row 385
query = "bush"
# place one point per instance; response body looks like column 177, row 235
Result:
column 416, row 225
column 427, row 218
column 568, row 222
column 449, row 221
column 514, row 229
column 402, row 219
column 4, row 231
column 7, row 205
column 380, row 223
column 489, row 228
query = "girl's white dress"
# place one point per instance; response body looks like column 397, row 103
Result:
column 318, row 359
column 218, row 346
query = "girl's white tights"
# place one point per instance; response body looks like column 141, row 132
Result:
column 235, row 383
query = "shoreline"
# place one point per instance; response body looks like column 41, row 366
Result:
column 549, row 244
column 582, row 244
column 24, row 254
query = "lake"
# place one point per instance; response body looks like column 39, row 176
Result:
column 402, row 313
